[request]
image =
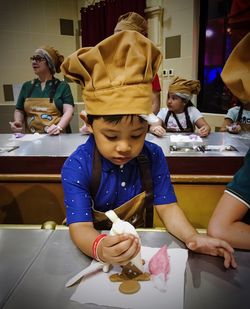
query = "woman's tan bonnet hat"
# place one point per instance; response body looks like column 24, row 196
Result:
column 54, row 59
column 183, row 87
column 236, row 71
column 116, row 74
column 132, row 21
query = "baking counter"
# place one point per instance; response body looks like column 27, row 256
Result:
column 30, row 176
column 46, row 155
column 207, row 283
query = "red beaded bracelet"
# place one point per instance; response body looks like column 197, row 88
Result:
column 95, row 246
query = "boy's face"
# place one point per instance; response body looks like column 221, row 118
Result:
column 119, row 142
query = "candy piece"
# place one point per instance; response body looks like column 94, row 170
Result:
column 159, row 263
column 119, row 227
column 18, row 135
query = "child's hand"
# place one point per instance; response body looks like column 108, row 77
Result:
column 157, row 130
column 118, row 249
column 213, row 246
column 234, row 128
column 203, row 131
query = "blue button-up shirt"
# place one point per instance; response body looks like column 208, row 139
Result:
column 118, row 183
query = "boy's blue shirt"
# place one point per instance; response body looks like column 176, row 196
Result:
column 118, row 183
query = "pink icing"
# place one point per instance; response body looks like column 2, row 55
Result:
column 159, row 263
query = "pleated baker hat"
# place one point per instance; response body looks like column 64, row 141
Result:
column 236, row 71
column 116, row 74
column 132, row 21
column 53, row 57
column 183, row 87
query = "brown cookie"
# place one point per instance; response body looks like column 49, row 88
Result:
column 131, row 271
column 129, row 287
column 143, row 277
column 117, row 278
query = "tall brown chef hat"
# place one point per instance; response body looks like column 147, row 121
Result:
column 116, row 74
column 236, row 71
column 132, row 21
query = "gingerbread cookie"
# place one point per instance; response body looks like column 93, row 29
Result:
column 129, row 277
column 129, row 287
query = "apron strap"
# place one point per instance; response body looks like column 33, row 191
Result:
column 32, row 88
column 146, row 179
column 55, row 84
column 240, row 114
column 189, row 128
column 96, row 173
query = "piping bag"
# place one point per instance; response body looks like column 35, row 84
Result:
column 119, row 227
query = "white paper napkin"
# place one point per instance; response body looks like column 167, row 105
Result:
column 98, row 289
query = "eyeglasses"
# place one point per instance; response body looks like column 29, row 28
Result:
column 37, row 58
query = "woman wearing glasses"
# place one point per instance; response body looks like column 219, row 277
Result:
column 45, row 104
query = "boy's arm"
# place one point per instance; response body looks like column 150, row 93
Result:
column 178, row 225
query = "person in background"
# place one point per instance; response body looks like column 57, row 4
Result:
column 236, row 77
column 134, row 21
column 230, row 219
column 45, row 104
column 105, row 172
column 237, row 119
column 180, row 115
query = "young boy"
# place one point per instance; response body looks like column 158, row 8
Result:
column 116, row 76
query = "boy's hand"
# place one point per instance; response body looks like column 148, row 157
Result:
column 213, row 246
column 118, row 249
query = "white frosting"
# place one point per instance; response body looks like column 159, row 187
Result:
column 179, row 138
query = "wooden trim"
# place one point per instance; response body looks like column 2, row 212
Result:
column 214, row 179
column 30, row 178
column 224, row 179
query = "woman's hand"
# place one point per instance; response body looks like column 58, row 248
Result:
column 16, row 126
column 118, row 249
column 212, row 246
column 54, row 129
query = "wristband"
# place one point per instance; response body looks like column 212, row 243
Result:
column 95, row 246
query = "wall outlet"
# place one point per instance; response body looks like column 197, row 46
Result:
column 165, row 73
column 170, row 72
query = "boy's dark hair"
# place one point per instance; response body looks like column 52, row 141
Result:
column 113, row 118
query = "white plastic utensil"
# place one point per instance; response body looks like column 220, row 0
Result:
column 94, row 266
